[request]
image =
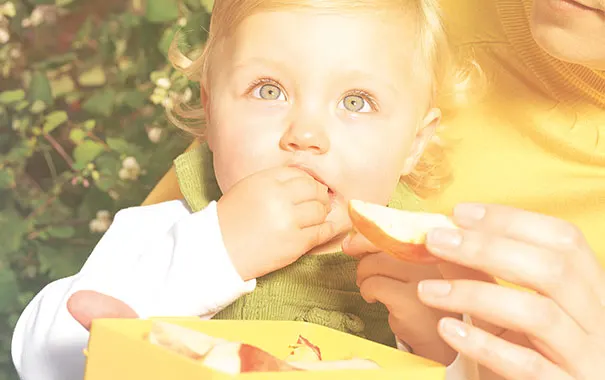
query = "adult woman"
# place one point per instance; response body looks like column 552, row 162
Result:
column 532, row 143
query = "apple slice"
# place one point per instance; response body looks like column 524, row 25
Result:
column 397, row 232
column 304, row 351
column 234, row 358
column 216, row 353
column 184, row 341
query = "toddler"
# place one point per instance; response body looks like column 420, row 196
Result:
column 307, row 104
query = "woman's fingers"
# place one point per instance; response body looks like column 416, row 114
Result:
column 549, row 272
column 534, row 229
column 386, row 265
column 409, row 319
column 529, row 313
column 87, row 305
column 510, row 361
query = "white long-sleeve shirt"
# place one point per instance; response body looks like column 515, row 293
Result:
column 161, row 260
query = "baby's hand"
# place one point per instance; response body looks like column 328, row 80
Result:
column 271, row 218
column 394, row 282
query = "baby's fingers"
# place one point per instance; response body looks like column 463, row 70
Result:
column 322, row 233
column 311, row 213
column 303, row 189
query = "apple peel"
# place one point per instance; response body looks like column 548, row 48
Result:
column 399, row 233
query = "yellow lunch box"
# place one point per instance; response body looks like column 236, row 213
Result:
column 118, row 350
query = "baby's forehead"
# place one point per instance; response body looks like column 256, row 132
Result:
column 354, row 42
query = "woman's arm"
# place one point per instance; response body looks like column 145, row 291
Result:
column 160, row 260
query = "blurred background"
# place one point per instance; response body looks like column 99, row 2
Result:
column 84, row 85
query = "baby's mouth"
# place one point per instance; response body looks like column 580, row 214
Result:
column 331, row 192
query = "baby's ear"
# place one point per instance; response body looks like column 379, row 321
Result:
column 425, row 133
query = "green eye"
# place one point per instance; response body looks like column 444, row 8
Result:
column 269, row 92
column 354, row 103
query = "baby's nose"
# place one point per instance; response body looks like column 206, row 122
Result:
column 305, row 137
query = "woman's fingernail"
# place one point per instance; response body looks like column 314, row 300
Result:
column 470, row 212
column 454, row 328
column 444, row 238
column 435, row 288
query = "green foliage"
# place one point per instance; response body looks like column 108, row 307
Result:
column 83, row 132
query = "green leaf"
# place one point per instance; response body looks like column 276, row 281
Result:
column 62, row 85
column 53, row 120
column 134, row 99
column 119, row 145
column 10, row 290
column 38, row 107
column 197, row 25
column 87, row 151
column 13, row 229
column 93, row 77
column 161, row 11
column 7, row 178
column 207, row 4
column 61, row 232
column 101, row 103
column 89, row 125
column 62, row 3
column 77, row 135
column 166, row 40
column 40, row 89
column 9, row 97
column 59, row 263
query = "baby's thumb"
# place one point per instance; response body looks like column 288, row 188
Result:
column 357, row 245
column 87, row 305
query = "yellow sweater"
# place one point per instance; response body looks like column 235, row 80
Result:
column 537, row 140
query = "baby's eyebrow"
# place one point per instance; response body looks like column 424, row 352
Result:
column 258, row 61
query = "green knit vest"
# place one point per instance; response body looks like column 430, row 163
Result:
column 318, row 289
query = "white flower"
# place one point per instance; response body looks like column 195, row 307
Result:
column 130, row 169
column 182, row 21
column 15, row 53
column 113, row 195
column 186, row 95
column 8, row 9
column 168, row 103
column 163, row 83
column 130, row 163
column 41, row 14
column 101, row 223
column 103, row 215
column 154, row 134
column 4, row 36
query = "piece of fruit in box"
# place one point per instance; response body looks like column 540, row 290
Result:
column 397, row 232
column 236, row 357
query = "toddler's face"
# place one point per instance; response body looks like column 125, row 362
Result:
column 335, row 94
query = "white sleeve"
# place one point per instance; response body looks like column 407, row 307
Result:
column 161, row 260
column 462, row 368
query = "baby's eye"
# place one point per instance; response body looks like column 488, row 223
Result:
column 355, row 103
column 269, row 92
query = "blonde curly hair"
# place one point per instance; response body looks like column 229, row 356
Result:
column 449, row 80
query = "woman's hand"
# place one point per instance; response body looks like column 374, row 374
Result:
column 87, row 305
column 563, row 318
column 394, row 283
